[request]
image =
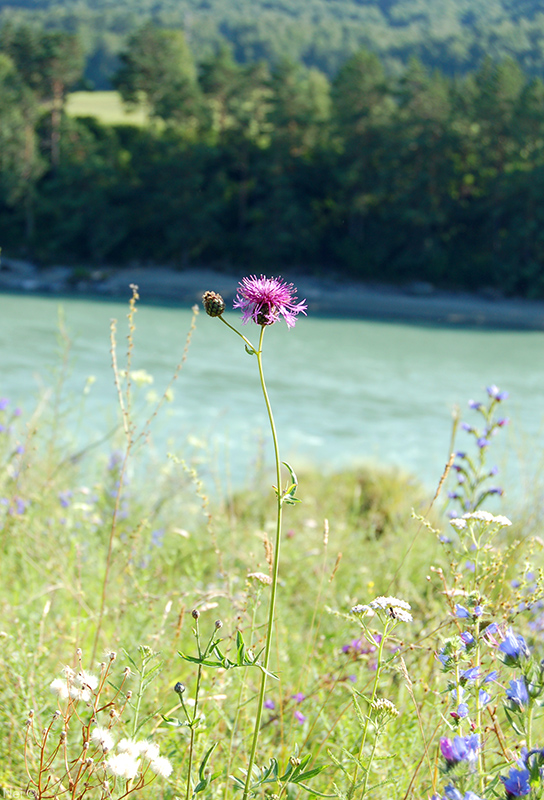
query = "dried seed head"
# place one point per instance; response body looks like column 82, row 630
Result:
column 214, row 304
column 128, row 695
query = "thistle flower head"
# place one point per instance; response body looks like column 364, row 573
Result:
column 214, row 305
column 264, row 300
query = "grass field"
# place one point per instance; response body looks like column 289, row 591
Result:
column 134, row 615
column 105, row 106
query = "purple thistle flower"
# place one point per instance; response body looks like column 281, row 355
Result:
column 264, row 299
column 517, row 783
column 517, row 692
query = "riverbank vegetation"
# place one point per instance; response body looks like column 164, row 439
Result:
column 412, row 176
column 407, row 648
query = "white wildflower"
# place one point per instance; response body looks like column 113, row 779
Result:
column 458, row 523
column 124, row 765
column 261, row 577
column 400, row 614
column 148, row 750
column 387, row 602
column 103, row 737
column 86, row 680
column 68, row 673
column 60, row 687
column 385, row 707
column 161, row 766
column 129, row 746
column 362, row 610
column 489, row 519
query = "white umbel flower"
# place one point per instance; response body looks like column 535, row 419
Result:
column 489, row 519
column 386, row 602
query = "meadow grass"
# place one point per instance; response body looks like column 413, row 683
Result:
column 103, row 566
column 106, row 106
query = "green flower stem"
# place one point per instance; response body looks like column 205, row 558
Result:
column 275, row 567
column 353, row 786
column 257, row 352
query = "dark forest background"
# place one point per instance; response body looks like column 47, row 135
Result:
column 390, row 141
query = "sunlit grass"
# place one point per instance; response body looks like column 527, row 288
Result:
column 106, row 107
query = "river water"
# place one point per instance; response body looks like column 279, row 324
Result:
column 343, row 391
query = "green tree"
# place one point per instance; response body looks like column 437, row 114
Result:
column 49, row 63
column 20, row 163
column 158, row 69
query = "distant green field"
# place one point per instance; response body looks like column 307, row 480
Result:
column 105, row 106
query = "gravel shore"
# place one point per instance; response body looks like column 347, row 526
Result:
column 417, row 302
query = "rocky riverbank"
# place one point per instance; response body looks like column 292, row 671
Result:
column 417, row 302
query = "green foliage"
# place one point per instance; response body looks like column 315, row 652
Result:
column 453, row 35
column 412, row 176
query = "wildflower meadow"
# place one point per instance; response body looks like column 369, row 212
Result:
column 324, row 635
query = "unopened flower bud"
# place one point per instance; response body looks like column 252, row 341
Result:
column 195, row 613
column 218, row 624
column 179, row 688
column 214, row 304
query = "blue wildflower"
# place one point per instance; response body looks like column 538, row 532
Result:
column 470, row 674
column 460, row 748
column 495, row 393
column 461, row 611
column 517, row 782
column 517, row 692
column 467, row 638
column 484, row 696
column 513, row 649
column 451, row 793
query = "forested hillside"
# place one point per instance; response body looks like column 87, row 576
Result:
column 452, row 35
column 415, row 176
